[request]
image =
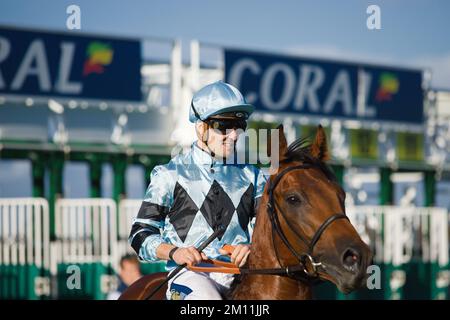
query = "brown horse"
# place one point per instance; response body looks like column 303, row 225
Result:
column 301, row 233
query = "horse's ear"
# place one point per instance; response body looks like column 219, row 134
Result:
column 319, row 149
column 282, row 143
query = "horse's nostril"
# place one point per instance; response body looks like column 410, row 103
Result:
column 351, row 259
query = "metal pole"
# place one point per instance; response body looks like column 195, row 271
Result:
column 119, row 168
column 38, row 169
column 386, row 188
column 95, row 176
column 430, row 188
column 56, row 165
column 195, row 65
column 119, row 192
column 175, row 75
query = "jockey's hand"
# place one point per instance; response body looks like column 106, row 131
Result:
column 189, row 255
column 239, row 255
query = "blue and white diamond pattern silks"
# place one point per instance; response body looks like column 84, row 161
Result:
column 188, row 198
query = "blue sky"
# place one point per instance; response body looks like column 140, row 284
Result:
column 414, row 33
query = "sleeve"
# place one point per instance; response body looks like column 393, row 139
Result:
column 145, row 235
column 260, row 183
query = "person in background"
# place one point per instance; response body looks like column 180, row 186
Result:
column 130, row 271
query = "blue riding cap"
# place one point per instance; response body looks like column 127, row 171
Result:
column 217, row 98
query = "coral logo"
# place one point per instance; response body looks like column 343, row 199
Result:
column 99, row 55
column 389, row 85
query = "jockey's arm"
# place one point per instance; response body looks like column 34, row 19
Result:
column 163, row 250
column 145, row 236
column 189, row 255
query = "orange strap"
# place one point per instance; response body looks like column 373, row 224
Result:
column 218, row 266
column 228, row 248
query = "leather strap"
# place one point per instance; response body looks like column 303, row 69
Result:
column 171, row 253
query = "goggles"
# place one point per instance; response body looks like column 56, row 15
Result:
column 223, row 125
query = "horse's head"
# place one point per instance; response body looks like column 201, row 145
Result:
column 308, row 204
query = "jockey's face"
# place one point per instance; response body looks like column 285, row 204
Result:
column 221, row 133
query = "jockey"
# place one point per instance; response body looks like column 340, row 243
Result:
column 195, row 193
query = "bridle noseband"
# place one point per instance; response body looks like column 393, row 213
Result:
column 299, row 270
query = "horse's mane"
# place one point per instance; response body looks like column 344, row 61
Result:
column 300, row 150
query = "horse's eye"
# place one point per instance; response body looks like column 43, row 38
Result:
column 293, row 200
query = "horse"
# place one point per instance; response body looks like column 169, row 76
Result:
column 301, row 234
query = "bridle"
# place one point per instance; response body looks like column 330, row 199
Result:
column 300, row 270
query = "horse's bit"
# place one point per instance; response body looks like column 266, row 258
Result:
column 303, row 258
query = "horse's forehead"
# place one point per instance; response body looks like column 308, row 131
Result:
column 310, row 170
column 300, row 176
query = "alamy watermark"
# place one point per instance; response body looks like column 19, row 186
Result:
column 374, row 279
column 73, row 21
column 374, row 19
column 73, row 281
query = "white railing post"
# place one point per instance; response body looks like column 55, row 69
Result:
column 87, row 231
column 25, row 240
